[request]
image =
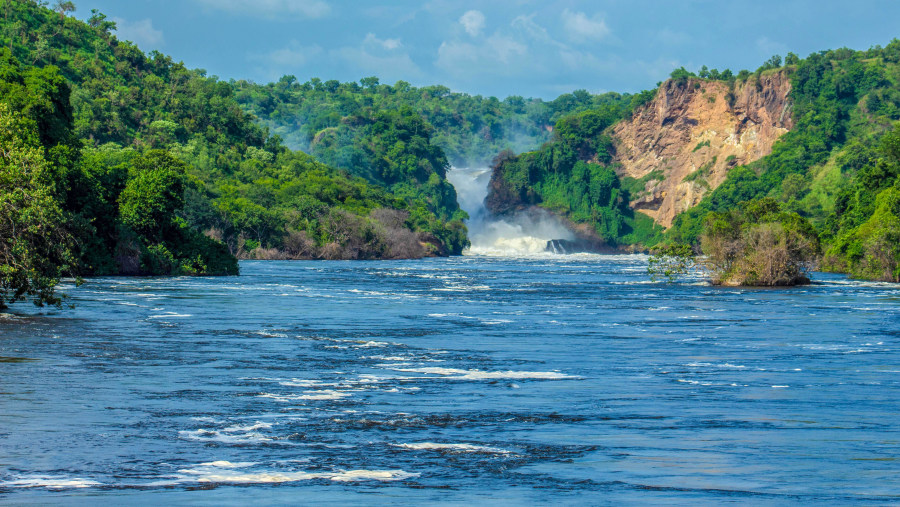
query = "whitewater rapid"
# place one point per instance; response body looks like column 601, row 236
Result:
column 520, row 235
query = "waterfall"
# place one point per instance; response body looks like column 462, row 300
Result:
column 523, row 234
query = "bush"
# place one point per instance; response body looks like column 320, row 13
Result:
column 759, row 244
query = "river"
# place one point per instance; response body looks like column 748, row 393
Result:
column 569, row 379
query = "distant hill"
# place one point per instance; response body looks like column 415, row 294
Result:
column 328, row 119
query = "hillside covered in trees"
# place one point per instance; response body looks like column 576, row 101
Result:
column 332, row 120
column 146, row 167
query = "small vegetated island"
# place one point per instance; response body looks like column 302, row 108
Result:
column 117, row 161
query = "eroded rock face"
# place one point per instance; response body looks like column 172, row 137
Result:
column 685, row 140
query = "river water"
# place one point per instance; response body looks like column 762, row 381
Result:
column 564, row 379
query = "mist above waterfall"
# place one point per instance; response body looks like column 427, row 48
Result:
column 522, row 234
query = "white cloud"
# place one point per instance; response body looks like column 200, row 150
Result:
column 273, row 8
column 499, row 54
column 388, row 44
column 515, row 53
column 505, row 49
column 527, row 27
column 580, row 28
column 473, row 22
column 292, row 57
column 384, row 58
column 140, row 32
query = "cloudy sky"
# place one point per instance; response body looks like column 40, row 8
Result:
column 534, row 48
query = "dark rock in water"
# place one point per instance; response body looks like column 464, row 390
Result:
column 567, row 246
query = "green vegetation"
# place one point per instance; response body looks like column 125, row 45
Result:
column 242, row 183
column 471, row 130
column 756, row 244
column 637, row 186
column 35, row 247
column 702, row 173
column 121, row 162
column 845, row 104
column 571, row 177
column 671, row 261
column 759, row 244
column 864, row 230
column 107, row 211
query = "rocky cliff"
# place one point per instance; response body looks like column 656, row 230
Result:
column 681, row 145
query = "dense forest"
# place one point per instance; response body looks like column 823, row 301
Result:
column 146, row 167
column 332, row 120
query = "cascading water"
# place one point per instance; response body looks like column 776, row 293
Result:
column 523, row 234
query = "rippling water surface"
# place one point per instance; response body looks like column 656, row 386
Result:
column 570, row 379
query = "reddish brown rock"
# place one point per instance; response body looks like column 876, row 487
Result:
column 692, row 133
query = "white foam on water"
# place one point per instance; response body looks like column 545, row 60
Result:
column 456, row 287
column 325, row 394
column 306, row 383
column 388, row 358
column 494, row 322
column 228, row 464
column 455, row 373
column 50, row 482
column 253, row 427
column 224, row 472
column 208, row 435
column 371, row 343
column 168, row 315
column 268, row 334
column 434, row 446
column 207, row 419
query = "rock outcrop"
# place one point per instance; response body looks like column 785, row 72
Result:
column 683, row 142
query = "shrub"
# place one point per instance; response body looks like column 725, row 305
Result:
column 759, row 244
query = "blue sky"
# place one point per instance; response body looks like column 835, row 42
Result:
column 533, row 48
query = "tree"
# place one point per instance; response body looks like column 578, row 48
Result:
column 681, row 75
column 154, row 194
column 63, row 7
column 369, row 82
column 759, row 244
column 98, row 20
column 35, row 245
